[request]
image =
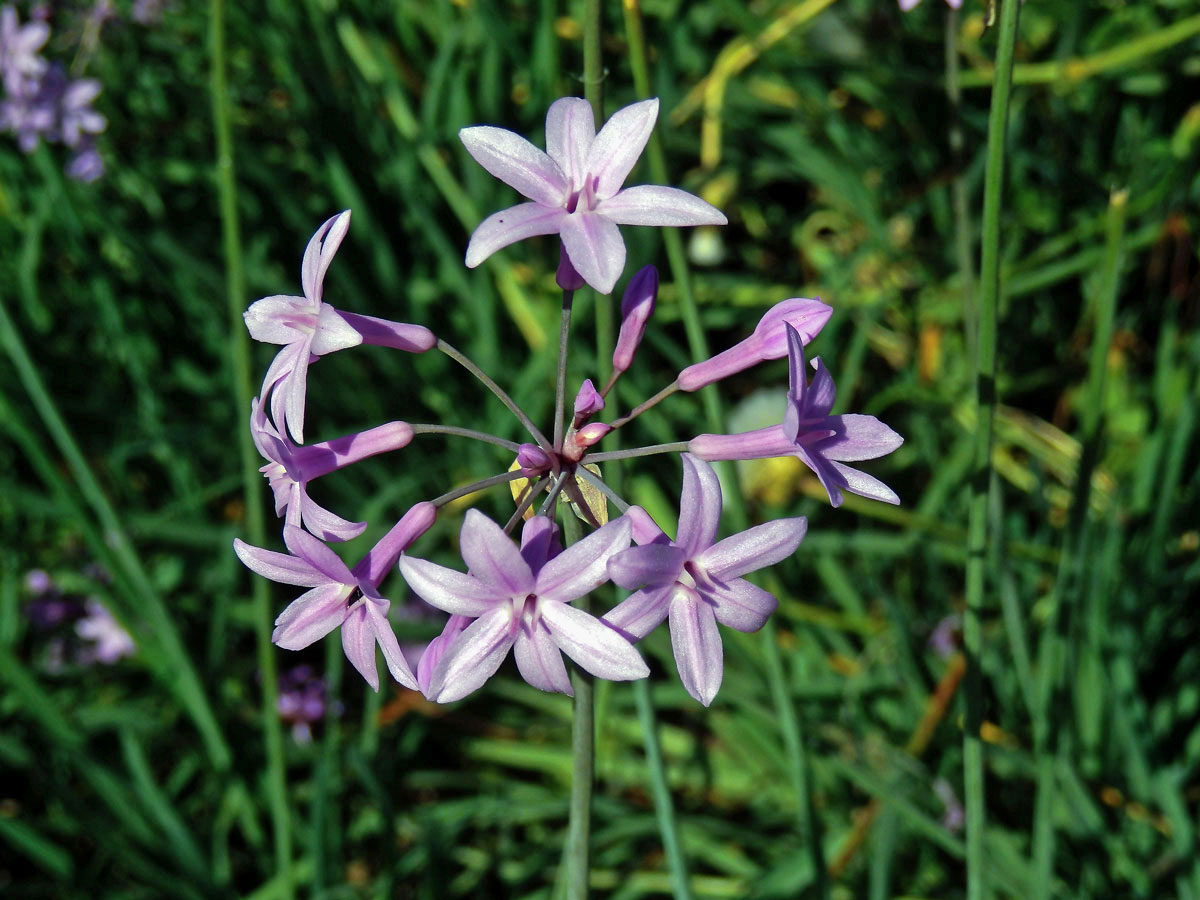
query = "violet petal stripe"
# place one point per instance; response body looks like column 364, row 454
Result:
column 618, row 145
column 358, row 642
column 517, row 163
column 595, row 248
column 583, row 566
column 595, row 646
column 753, row 549
column 386, row 638
column 696, row 641
column 759, row 444
column 859, row 437
column 570, row 129
column 455, row 592
column 510, row 225
column 314, row 460
column 322, row 523
column 650, row 564
column 492, row 557
column 651, row 204
column 822, row 392
column 539, row 660
column 639, row 614
column 699, row 506
column 269, row 320
column 280, row 567
column 321, row 557
column 333, row 332
column 740, row 605
column 858, row 482
column 311, row 616
column 385, row 333
column 473, row 657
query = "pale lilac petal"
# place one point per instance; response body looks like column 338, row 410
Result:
column 320, row 252
column 640, row 613
column 906, row 5
column 385, row 333
column 324, row 524
column 323, row 559
column 858, row 482
column 740, row 605
column 696, row 641
column 596, row 249
column 617, row 147
column 333, row 333
column 824, row 469
column 270, row 320
column 473, row 657
column 455, row 592
column 517, row 163
column 358, row 642
column 652, row 564
column 540, row 661
column 645, row 529
column 858, row 437
column 592, row 644
column 762, row 443
column 699, row 506
column 539, row 542
column 437, row 649
column 492, row 557
column 753, row 549
column 386, row 638
column 570, row 129
column 583, row 566
column 311, row 616
column 637, row 305
column 290, row 392
column 510, row 225
column 652, row 204
column 280, row 567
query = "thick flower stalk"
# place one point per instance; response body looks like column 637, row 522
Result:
column 575, row 189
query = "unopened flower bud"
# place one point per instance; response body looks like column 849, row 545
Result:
column 637, row 305
column 590, row 435
column 532, row 459
column 566, row 277
column 588, row 402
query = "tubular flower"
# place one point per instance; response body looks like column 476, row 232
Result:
column 521, row 599
column 696, row 582
column 575, row 188
column 820, row 441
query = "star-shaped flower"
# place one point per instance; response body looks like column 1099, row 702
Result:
column 575, row 187
column 697, row 582
column 520, row 599
column 820, row 441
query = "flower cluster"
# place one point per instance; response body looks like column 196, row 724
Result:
column 41, row 101
column 94, row 636
column 522, row 595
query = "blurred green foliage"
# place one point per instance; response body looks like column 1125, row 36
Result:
column 830, row 146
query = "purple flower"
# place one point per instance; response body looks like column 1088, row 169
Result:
column 637, row 305
column 820, row 441
column 76, row 117
column 697, row 582
column 301, row 701
column 86, row 165
column 769, row 341
column 576, row 188
column 340, row 596
column 309, row 328
column 588, row 402
column 289, row 469
column 20, row 62
column 110, row 642
column 520, row 599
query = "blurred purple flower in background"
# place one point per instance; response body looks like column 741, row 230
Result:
column 108, row 641
column 301, row 701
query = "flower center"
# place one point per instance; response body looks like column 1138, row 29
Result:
column 585, row 194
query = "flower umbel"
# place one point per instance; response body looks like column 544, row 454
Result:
column 575, row 187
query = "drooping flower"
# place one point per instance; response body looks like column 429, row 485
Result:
column 575, row 188
column 289, row 469
column 340, row 596
column 520, row 600
column 820, row 441
column 696, row 582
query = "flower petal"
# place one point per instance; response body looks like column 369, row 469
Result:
column 392, row 655
column 696, row 641
column 595, row 248
column 761, row 443
column 583, row 566
column 617, row 147
column 437, row 649
column 639, row 614
column 280, row 567
column 517, row 163
column 358, row 642
column 386, row 333
column 333, row 333
column 473, row 657
column 317, row 554
column 540, row 661
column 271, row 319
column 652, row 204
column 858, row 437
column 455, row 592
column 590, row 642
column 821, row 390
column 510, row 225
column 740, row 605
column 326, row 525
column 492, row 557
column 858, row 482
column 699, row 506
column 752, row 549
column 570, row 129
column 649, row 564
column 311, row 616
column 319, row 254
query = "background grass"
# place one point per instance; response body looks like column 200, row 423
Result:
column 830, row 143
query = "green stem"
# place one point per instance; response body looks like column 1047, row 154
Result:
column 985, row 393
column 664, row 807
column 235, row 286
column 958, row 189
